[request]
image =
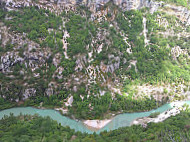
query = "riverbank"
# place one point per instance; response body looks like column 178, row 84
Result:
column 93, row 125
column 61, row 110
column 110, row 123
column 90, row 126
column 177, row 107
column 96, row 125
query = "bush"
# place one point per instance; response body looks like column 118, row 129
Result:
column 154, row 115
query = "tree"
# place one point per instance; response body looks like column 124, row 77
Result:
column 33, row 35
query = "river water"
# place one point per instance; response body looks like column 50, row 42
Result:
column 118, row 121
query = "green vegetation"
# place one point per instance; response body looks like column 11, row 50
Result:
column 35, row 128
column 153, row 61
column 154, row 115
column 96, row 108
column 33, row 21
column 4, row 104
column 177, row 2
column 131, row 23
column 81, row 32
column 2, row 14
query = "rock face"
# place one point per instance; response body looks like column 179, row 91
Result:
column 124, row 4
column 28, row 93
column 92, row 4
column 127, row 4
column 8, row 60
column 181, row 12
column 177, row 51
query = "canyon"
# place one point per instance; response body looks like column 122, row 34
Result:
column 102, row 66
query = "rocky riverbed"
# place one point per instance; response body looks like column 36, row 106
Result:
column 177, row 107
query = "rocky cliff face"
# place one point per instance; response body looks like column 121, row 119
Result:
column 95, row 5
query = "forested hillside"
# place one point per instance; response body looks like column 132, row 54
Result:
column 93, row 63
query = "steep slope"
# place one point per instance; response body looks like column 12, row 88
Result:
column 93, row 60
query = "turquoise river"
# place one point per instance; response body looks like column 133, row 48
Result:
column 120, row 120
